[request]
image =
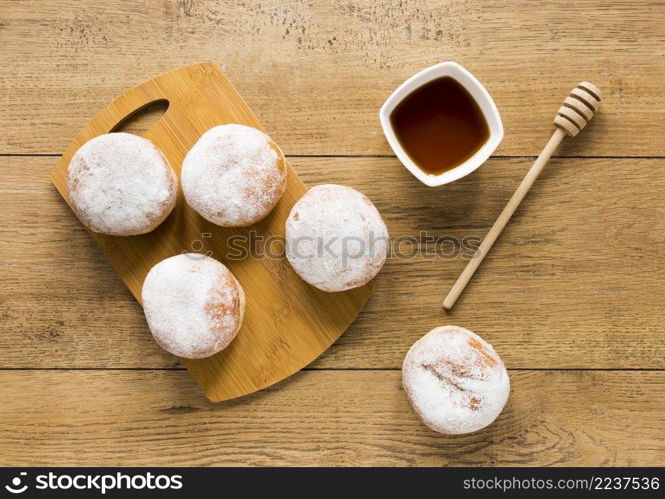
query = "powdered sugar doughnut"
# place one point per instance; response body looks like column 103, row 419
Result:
column 120, row 184
column 234, row 175
column 455, row 380
column 335, row 238
column 193, row 304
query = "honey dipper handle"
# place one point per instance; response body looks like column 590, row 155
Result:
column 501, row 222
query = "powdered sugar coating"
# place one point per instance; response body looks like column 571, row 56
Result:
column 455, row 380
column 234, row 175
column 335, row 238
column 193, row 304
column 120, row 184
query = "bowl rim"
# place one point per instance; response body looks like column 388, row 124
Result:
column 477, row 91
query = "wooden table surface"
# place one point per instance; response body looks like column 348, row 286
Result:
column 571, row 296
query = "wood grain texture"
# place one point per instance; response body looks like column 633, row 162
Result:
column 504, row 217
column 287, row 323
column 316, row 73
column 336, row 418
column 576, row 279
column 571, row 118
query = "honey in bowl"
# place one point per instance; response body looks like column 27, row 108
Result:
column 439, row 125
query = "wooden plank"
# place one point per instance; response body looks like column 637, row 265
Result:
column 333, row 418
column 576, row 280
column 317, row 73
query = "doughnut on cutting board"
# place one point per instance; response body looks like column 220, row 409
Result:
column 288, row 323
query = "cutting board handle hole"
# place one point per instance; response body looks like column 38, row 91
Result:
column 143, row 119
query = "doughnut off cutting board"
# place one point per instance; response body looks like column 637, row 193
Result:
column 287, row 323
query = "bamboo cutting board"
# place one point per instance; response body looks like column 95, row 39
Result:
column 288, row 323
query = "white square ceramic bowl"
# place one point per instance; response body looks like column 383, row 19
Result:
column 477, row 91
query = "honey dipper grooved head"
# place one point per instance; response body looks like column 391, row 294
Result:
column 578, row 108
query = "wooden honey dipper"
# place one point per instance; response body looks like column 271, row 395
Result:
column 576, row 111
